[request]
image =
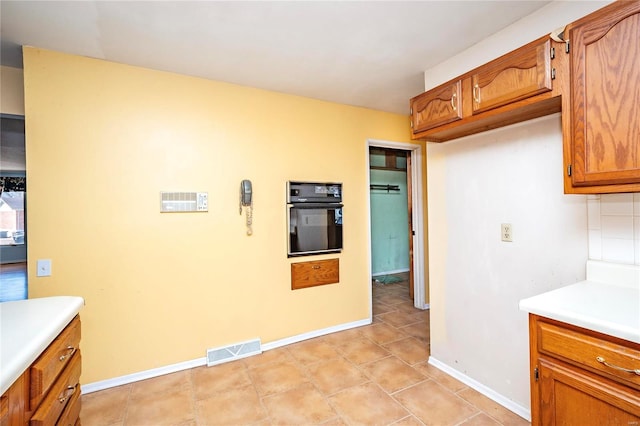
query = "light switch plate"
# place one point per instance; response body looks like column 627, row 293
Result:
column 202, row 203
column 43, row 268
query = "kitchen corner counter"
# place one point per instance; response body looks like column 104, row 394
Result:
column 607, row 302
column 27, row 327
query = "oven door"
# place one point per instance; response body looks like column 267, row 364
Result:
column 314, row 228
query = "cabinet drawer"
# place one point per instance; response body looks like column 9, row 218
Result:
column 71, row 414
column 593, row 353
column 67, row 385
column 53, row 360
column 309, row 274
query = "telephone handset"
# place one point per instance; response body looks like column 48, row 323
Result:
column 245, row 193
column 246, row 200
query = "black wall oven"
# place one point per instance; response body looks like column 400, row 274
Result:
column 314, row 218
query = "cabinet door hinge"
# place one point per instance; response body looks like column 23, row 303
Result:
column 553, row 53
column 569, row 170
column 411, row 110
column 412, row 124
column 536, row 375
column 553, row 73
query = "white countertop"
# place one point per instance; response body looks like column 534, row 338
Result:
column 607, row 302
column 27, row 327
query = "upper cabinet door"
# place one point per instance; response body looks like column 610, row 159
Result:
column 523, row 73
column 436, row 107
column 605, row 96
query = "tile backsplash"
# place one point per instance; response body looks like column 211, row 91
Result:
column 614, row 227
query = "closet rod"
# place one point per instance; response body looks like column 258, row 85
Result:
column 385, row 187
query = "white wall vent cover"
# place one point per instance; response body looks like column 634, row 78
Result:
column 177, row 202
column 233, row 352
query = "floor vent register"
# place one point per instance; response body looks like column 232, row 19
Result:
column 232, row 352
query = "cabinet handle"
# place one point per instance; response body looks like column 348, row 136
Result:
column 67, row 394
column 476, row 93
column 315, row 267
column 70, row 351
column 453, row 101
column 604, row 362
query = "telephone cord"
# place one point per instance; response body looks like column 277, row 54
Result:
column 249, row 212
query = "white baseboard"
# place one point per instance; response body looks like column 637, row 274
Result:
column 142, row 375
column 486, row 391
column 316, row 333
column 395, row 271
column 185, row 365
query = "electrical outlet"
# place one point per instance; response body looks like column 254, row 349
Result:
column 43, row 268
column 506, row 231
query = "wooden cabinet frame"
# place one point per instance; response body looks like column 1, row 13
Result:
column 595, row 160
column 314, row 273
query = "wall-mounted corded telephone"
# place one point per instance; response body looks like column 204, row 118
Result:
column 246, row 195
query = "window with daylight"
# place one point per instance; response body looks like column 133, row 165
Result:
column 12, row 191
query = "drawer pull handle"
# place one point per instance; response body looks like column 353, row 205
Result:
column 70, row 351
column 67, row 394
column 476, row 93
column 604, row 362
column 315, row 267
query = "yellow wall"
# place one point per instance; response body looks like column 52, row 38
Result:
column 103, row 139
column 11, row 91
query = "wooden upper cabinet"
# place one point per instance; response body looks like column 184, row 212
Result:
column 512, row 88
column 605, row 98
column 436, row 107
column 522, row 73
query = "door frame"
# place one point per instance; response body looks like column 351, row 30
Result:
column 417, row 205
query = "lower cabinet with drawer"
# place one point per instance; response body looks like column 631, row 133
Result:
column 48, row 392
column 314, row 273
column 582, row 377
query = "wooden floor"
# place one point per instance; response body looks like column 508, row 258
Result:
column 13, row 281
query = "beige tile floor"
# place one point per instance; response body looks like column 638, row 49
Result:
column 372, row 375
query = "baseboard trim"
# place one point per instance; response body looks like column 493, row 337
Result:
column 486, row 391
column 142, row 375
column 395, row 271
column 185, row 365
column 317, row 333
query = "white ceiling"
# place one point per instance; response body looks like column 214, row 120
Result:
column 363, row 53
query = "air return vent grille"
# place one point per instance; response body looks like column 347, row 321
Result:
column 233, row 352
column 176, row 202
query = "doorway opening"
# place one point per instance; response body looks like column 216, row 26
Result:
column 13, row 242
column 396, row 217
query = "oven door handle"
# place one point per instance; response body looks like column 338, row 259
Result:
column 316, row 206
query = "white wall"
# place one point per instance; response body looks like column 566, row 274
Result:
column 510, row 175
column 514, row 175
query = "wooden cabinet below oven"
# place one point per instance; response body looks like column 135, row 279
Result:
column 314, row 273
